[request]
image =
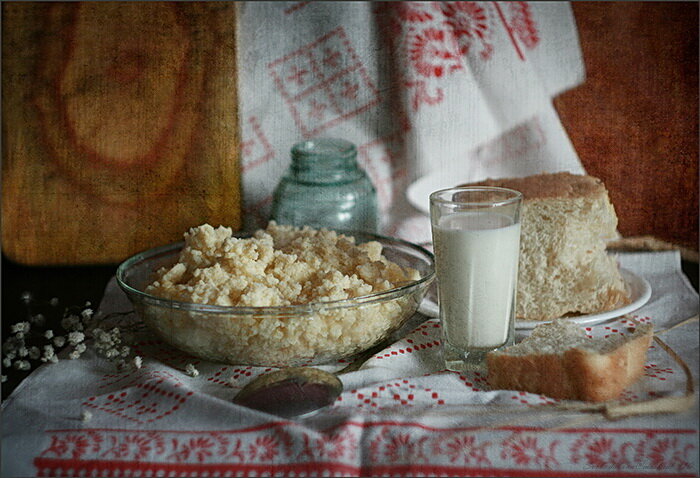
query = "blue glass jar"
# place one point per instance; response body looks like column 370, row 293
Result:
column 325, row 187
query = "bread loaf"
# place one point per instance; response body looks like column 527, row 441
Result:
column 560, row 361
column 564, row 267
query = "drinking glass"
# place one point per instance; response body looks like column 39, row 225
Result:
column 476, row 239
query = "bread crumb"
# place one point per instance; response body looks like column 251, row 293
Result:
column 191, row 370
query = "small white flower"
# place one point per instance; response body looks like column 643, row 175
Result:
column 34, row 353
column 48, row 353
column 86, row 314
column 124, row 351
column 112, row 353
column 138, row 362
column 26, row 297
column 103, row 337
column 48, row 334
column 72, row 322
column 53, row 359
column 3, row 378
column 22, row 351
column 59, row 341
column 85, row 416
column 88, row 303
column 7, row 362
column 74, row 355
column 53, row 302
column 22, row 365
column 191, row 370
column 19, row 336
column 22, row 327
column 11, row 355
column 74, row 338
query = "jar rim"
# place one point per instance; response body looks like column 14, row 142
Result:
column 317, row 148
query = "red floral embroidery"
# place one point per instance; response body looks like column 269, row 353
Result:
column 523, row 24
column 412, row 12
column 464, row 449
column 73, row 446
column 665, row 454
column 469, row 22
column 435, row 52
column 198, row 448
column 133, row 446
column 602, row 453
column 524, row 450
column 264, row 448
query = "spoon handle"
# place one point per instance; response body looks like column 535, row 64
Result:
column 360, row 359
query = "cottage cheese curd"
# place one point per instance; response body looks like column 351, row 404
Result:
column 277, row 266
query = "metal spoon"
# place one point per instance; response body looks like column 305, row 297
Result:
column 299, row 391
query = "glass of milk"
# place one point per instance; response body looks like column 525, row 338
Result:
column 476, row 239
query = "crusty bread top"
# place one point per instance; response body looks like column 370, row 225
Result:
column 549, row 185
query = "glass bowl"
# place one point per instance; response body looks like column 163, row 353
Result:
column 295, row 335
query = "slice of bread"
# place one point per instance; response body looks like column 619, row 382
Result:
column 564, row 268
column 560, row 361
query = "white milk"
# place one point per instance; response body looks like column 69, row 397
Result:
column 477, row 265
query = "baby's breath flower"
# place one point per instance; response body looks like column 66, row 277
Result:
column 80, row 348
column 191, row 370
column 74, row 355
column 59, row 341
column 88, row 303
column 10, row 345
column 11, row 355
column 72, row 322
column 138, row 362
column 26, row 297
column 3, row 378
column 19, row 336
column 48, row 353
column 86, row 314
column 125, row 350
column 48, row 334
column 22, row 365
column 85, row 416
column 22, row 351
column 53, row 359
column 22, row 327
column 7, row 362
column 53, row 302
column 74, row 338
column 34, row 353
column 112, row 353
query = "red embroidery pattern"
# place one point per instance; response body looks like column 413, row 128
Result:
column 324, row 83
column 149, row 396
column 391, row 448
column 523, row 24
column 525, row 451
column 255, row 148
column 436, row 38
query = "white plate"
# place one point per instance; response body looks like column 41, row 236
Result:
column 639, row 290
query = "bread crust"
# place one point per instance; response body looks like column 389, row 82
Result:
column 575, row 374
column 550, row 185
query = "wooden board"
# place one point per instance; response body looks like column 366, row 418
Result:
column 120, row 127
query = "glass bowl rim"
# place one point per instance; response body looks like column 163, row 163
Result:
column 281, row 310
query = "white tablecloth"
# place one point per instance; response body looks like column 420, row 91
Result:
column 402, row 414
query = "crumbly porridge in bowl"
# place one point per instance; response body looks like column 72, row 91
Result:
column 284, row 296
